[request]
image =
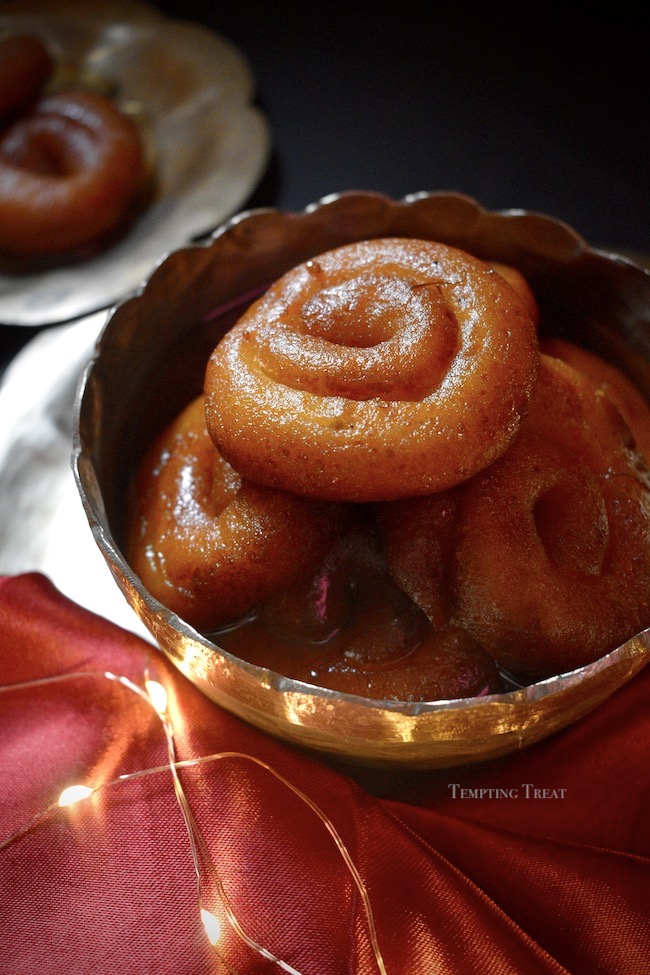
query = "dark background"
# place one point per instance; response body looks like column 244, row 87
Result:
column 545, row 112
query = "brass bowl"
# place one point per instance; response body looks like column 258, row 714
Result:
column 151, row 358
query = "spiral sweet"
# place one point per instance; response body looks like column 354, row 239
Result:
column 72, row 171
column 382, row 369
column 418, row 536
column 25, row 68
column 208, row 544
column 349, row 627
column 613, row 383
column 519, row 283
column 552, row 555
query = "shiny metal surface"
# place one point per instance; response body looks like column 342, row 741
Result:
column 151, row 358
column 191, row 91
column 42, row 524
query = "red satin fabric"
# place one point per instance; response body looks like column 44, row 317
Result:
column 457, row 885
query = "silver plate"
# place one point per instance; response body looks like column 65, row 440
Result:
column 43, row 527
column 192, row 91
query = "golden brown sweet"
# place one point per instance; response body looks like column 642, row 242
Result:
column 614, row 384
column 25, row 68
column 418, row 536
column 349, row 627
column 209, row 545
column 72, row 170
column 518, row 282
column 461, row 506
column 552, row 557
column 382, row 369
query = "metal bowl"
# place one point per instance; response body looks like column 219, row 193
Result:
column 151, row 358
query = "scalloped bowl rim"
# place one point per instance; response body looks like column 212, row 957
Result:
column 636, row 649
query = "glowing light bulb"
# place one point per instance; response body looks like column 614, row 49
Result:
column 74, row 793
column 158, row 695
column 211, row 925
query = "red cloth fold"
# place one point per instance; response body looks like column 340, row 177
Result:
column 459, row 882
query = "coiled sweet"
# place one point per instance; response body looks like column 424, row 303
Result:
column 418, row 536
column 351, row 628
column 208, row 544
column 477, row 497
column 25, row 68
column 551, row 564
column 382, row 369
column 613, row 383
column 71, row 170
column 520, row 284
column 73, row 167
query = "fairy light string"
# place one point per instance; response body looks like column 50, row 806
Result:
column 199, row 848
column 155, row 696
